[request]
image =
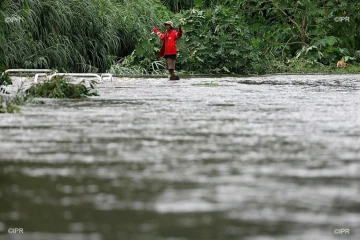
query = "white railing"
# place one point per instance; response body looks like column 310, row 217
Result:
column 109, row 75
column 76, row 75
column 37, row 76
column 45, row 72
column 30, row 70
column 39, row 72
column 100, row 78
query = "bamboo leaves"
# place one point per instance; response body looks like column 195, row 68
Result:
column 73, row 35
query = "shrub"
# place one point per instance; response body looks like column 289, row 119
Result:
column 219, row 41
column 58, row 87
column 7, row 104
column 4, row 81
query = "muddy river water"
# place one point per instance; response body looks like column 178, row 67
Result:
column 271, row 157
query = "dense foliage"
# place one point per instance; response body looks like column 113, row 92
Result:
column 178, row 5
column 313, row 30
column 216, row 41
column 4, row 81
column 251, row 36
column 58, row 87
column 78, row 35
column 2, row 38
column 236, row 36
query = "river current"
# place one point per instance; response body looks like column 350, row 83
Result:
column 271, row 158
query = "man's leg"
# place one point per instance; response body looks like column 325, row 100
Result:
column 170, row 63
column 172, row 74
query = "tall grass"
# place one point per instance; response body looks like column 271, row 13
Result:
column 2, row 38
column 76, row 35
column 177, row 5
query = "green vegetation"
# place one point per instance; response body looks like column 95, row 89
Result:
column 2, row 38
column 55, row 88
column 255, row 37
column 8, row 104
column 305, row 66
column 58, row 87
column 4, row 81
column 220, row 36
column 79, row 35
column 215, row 41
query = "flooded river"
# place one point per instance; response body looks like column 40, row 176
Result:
column 269, row 158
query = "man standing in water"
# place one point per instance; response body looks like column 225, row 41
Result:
column 168, row 48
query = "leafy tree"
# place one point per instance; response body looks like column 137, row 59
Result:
column 306, row 27
column 219, row 41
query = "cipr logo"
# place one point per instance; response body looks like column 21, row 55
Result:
column 342, row 19
column 15, row 230
column 342, row 231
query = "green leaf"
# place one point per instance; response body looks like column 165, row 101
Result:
column 199, row 59
column 225, row 69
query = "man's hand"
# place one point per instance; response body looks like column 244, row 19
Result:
column 155, row 29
